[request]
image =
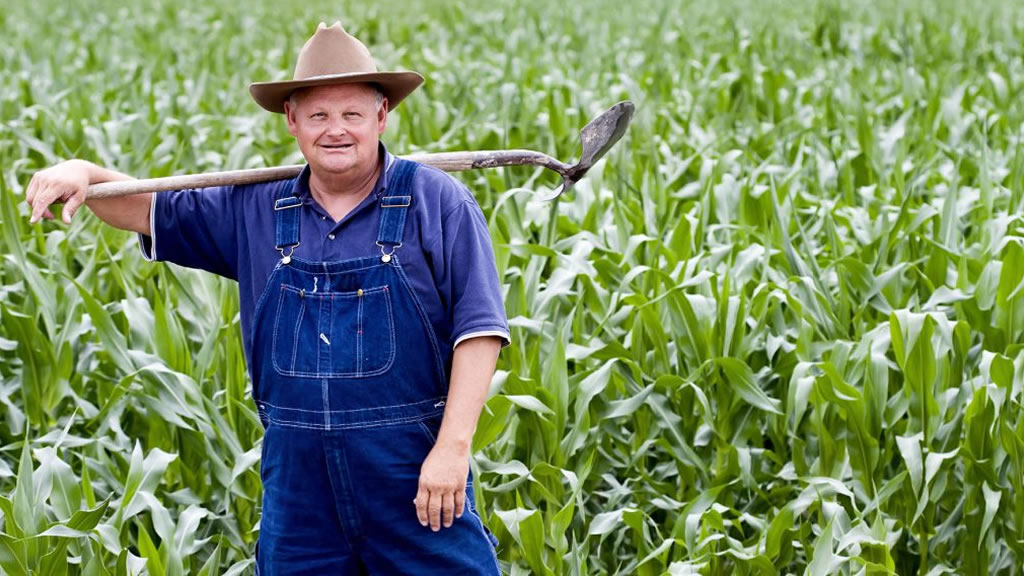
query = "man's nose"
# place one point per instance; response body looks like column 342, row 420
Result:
column 336, row 126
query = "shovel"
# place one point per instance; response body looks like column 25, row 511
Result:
column 598, row 136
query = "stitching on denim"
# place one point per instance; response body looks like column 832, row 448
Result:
column 326, row 401
column 359, row 336
column 263, row 453
column 431, row 336
column 336, row 375
column 319, row 347
column 339, row 375
column 324, row 294
column 302, row 425
column 277, row 325
column 346, row 478
column 266, row 292
column 368, row 423
column 341, row 519
column 426, row 430
column 306, row 267
column 330, row 330
column 391, row 330
column 353, row 426
column 298, row 326
column 423, row 402
column 471, row 505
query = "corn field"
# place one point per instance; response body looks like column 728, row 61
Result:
column 776, row 331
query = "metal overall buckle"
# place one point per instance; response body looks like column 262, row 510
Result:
column 386, row 256
column 287, row 203
column 287, row 258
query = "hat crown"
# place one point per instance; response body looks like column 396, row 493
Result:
column 332, row 51
column 332, row 56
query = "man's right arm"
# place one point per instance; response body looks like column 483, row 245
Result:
column 68, row 181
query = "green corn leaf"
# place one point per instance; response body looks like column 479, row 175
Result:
column 154, row 562
column 741, row 378
column 992, row 498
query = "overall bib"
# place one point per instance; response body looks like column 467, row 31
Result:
column 350, row 384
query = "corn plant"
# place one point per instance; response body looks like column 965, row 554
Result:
column 777, row 330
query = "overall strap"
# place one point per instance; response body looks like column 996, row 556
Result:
column 394, row 207
column 286, row 222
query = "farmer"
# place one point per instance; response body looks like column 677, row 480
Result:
column 371, row 316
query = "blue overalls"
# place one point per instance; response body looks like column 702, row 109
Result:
column 350, row 383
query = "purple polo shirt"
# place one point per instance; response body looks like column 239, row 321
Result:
column 446, row 249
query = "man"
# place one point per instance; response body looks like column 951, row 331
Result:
column 371, row 317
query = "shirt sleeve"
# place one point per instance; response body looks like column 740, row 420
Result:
column 467, row 277
column 194, row 228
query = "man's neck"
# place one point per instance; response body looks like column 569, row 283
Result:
column 339, row 195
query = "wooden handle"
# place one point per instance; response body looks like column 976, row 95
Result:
column 447, row 161
column 458, row 161
column 236, row 177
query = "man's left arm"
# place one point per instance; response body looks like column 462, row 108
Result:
column 442, row 489
column 466, row 277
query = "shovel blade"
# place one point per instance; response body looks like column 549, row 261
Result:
column 598, row 137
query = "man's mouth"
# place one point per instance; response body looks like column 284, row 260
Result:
column 336, row 146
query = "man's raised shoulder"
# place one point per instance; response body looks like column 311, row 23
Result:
column 439, row 193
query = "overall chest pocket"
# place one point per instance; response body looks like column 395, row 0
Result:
column 334, row 334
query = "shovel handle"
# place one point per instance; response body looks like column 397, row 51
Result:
column 459, row 161
column 231, row 177
column 447, row 161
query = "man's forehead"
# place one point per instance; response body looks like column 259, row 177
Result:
column 336, row 92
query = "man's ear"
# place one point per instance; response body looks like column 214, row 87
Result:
column 382, row 116
column 290, row 116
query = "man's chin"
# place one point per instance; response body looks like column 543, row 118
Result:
column 336, row 166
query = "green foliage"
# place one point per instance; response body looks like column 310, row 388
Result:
column 776, row 331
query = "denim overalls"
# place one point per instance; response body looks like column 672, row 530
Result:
column 350, row 383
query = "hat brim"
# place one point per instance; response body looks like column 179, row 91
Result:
column 395, row 86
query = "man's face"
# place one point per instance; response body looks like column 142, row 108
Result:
column 337, row 127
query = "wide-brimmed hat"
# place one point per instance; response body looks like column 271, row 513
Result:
column 332, row 56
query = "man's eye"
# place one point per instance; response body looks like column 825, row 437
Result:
column 319, row 115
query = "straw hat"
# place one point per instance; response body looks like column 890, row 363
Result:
column 331, row 56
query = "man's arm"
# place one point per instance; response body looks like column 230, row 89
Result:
column 68, row 182
column 442, row 488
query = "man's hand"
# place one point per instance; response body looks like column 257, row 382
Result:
column 442, row 491
column 69, row 181
column 66, row 182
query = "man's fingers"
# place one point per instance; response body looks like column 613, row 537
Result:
column 460, row 503
column 422, row 497
column 434, row 511
column 40, row 203
column 30, row 192
column 70, row 207
column 43, row 200
column 66, row 182
column 447, row 509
